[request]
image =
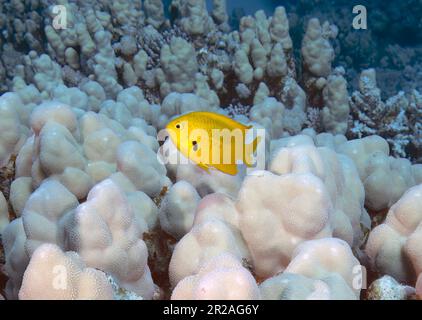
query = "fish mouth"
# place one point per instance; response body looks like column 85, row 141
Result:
column 163, row 136
column 161, row 142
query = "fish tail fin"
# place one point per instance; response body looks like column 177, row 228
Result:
column 249, row 153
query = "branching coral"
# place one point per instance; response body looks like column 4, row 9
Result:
column 396, row 119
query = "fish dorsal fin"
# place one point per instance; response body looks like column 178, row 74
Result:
column 225, row 121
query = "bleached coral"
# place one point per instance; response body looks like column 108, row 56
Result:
column 108, row 214
column 54, row 274
column 202, row 243
column 176, row 103
column 377, row 169
column 133, row 98
column 89, row 147
column 317, row 56
column 10, row 126
column 59, row 221
column 47, row 73
column 340, row 177
column 277, row 65
column 219, row 14
column 279, row 28
column 291, row 286
column 273, row 208
column 394, row 246
column 242, row 67
column 194, row 17
column 104, row 69
column 294, row 99
column 332, row 261
column 4, row 213
column 20, row 191
column 178, row 67
column 154, row 11
column 419, row 286
column 222, row 278
column 269, row 114
column 316, row 48
column 215, row 231
column 43, row 216
column 249, row 207
column 177, row 209
column 316, row 274
column 143, row 207
column 335, row 114
column 17, row 259
column 139, row 163
column 96, row 94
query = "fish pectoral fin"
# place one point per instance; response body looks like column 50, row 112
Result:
column 204, row 167
column 225, row 168
column 230, row 169
column 249, row 152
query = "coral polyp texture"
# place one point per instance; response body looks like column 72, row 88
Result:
column 96, row 202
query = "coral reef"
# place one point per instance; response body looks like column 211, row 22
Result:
column 89, row 182
column 85, row 283
column 4, row 213
column 224, row 277
column 397, row 119
column 394, row 246
column 387, row 288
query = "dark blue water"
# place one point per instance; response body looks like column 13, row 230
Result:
column 397, row 20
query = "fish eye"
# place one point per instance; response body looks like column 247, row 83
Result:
column 178, row 126
column 195, row 145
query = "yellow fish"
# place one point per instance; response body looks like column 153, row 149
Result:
column 212, row 140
